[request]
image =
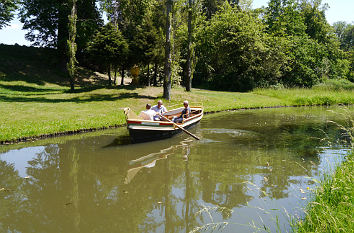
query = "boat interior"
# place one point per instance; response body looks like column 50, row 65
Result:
column 194, row 111
column 169, row 114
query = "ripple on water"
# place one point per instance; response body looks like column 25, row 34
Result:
column 231, row 132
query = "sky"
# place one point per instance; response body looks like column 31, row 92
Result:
column 339, row 10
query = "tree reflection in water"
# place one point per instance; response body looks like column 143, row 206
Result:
column 100, row 184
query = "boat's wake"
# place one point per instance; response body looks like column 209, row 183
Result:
column 230, row 132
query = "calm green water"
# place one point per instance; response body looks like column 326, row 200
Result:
column 250, row 168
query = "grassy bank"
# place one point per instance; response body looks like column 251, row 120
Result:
column 30, row 109
column 332, row 209
column 34, row 97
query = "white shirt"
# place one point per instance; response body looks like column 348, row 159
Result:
column 148, row 114
column 159, row 110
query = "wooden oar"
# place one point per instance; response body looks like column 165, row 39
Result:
column 187, row 132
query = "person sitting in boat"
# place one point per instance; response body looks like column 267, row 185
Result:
column 160, row 110
column 184, row 114
column 148, row 114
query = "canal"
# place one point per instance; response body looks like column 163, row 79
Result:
column 252, row 171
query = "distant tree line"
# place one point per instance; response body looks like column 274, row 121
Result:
column 215, row 44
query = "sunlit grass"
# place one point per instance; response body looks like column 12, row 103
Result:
column 30, row 109
column 332, row 208
column 302, row 96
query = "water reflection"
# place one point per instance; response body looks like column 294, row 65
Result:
column 246, row 166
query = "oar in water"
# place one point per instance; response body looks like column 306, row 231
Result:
column 187, row 132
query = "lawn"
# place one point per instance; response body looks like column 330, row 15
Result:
column 31, row 109
column 35, row 98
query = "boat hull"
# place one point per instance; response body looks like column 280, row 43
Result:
column 146, row 135
column 145, row 130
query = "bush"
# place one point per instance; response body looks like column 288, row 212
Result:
column 335, row 85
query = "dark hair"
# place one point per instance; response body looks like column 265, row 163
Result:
column 148, row 106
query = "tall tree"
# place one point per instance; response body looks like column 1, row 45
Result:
column 130, row 17
column 89, row 21
column 190, row 49
column 195, row 18
column 235, row 53
column 315, row 21
column 210, row 7
column 7, row 8
column 283, row 18
column 168, row 57
column 339, row 28
column 345, row 34
column 71, row 45
column 47, row 22
column 108, row 48
column 348, row 38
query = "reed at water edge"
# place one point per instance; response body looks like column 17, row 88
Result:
column 332, row 208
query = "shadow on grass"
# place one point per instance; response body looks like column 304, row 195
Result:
column 91, row 98
column 89, row 88
column 39, row 66
column 20, row 88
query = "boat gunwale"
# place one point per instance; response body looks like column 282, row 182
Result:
column 156, row 124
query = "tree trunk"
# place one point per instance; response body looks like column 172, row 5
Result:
column 109, row 75
column 115, row 76
column 189, row 52
column 122, row 81
column 168, row 59
column 155, row 73
column 71, row 45
column 148, row 74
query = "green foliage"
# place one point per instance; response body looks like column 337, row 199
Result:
column 317, row 27
column 210, row 7
column 222, row 44
column 293, row 45
column 89, row 21
column 7, row 8
column 348, row 38
column 108, row 47
column 141, row 23
column 149, row 40
column 283, row 18
column 308, row 65
column 235, row 53
column 34, row 96
column 345, row 34
column 47, row 22
column 43, row 18
column 313, row 51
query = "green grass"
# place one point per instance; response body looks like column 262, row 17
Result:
column 332, row 210
column 335, row 85
column 29, row 109
column 35, row 97
column 304, row 96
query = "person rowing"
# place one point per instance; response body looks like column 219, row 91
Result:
column 184, row 114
